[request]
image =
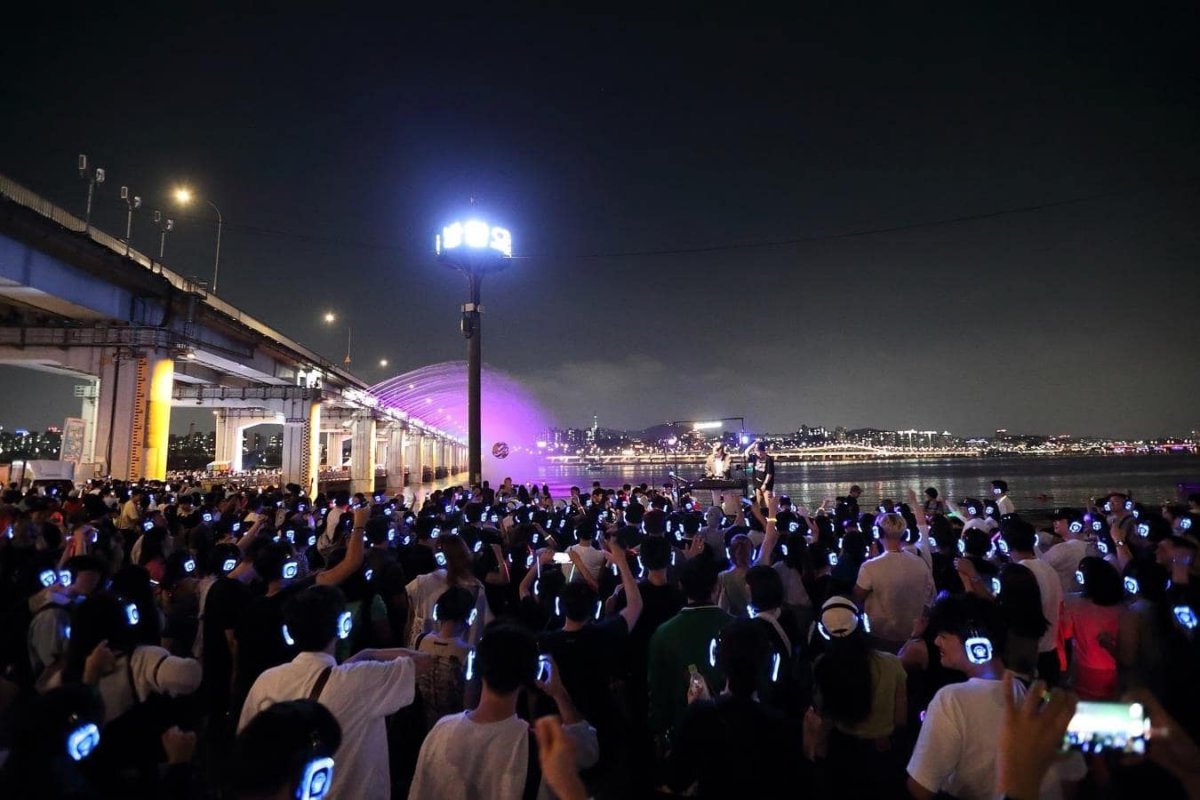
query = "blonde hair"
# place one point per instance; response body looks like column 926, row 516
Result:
column 891, row 525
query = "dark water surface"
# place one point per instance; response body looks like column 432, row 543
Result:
column 1034, row 481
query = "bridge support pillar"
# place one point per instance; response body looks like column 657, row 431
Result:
column 362, row 454
column 302, row 444
column 133, row 418
column 418, row 469
column 395, row 461
column 229, row 440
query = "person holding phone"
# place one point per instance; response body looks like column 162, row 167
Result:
column 488, row 752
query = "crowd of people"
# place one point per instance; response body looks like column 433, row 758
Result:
column 636, row 641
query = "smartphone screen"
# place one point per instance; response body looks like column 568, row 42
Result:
column 1108, row 726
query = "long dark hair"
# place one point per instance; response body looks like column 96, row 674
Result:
column 843, row 678
column 1020, row 602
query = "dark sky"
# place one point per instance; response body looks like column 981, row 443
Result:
column 800, row 158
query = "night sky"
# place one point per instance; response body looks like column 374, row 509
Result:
column 933, row 216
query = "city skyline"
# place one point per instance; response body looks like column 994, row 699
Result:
column 967, row 218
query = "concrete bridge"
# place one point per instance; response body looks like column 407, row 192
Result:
column 76, row 301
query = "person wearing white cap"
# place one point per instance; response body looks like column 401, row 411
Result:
column 860, row 699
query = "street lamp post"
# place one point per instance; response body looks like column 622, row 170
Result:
column 132, row 204
column 164, row 227
column 183, row 196
column 475, row 248
column 92, row 179
column 331, row 318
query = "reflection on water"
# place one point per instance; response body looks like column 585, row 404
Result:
column 1034, row 482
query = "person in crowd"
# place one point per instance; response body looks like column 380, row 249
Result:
column 260, row 643
column 893, row 587
column 734, row 725
column 283, row 750
column 1004, row 505
column 732, row 594
column 860, row 699
column 922, row 662
column 456, row 570
column 488, row 752
column 1020, row 603
column 956, row 751
column 586, row 648
column 49, row 629
column 1071, row 548
column 1091, row 621
column 1022, row 541
column 443, row 687
column 933, row 506
column 978, row 576
column 686, row 639
column 1142, row 631
column 359, row 693
column 586, row 560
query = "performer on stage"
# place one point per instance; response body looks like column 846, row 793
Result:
column 718, row 464
column 763, row 466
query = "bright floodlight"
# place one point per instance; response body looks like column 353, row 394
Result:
column 183, row 195
column 383, row 362
column 476, row 235
column 706, row 426
column 330, row 316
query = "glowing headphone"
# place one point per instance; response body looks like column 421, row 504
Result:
column 345, row 624
column 82, row 738
column 1186, row 617
column 47, row 578
column 131, row 614
column 962, row 546
column 972, row 510
column 440, row 558
column 287, row 636
column 229, row 565
column 189, row 566
column 368, row 574
column 470, row 673
column 1079, row 577
column 1075, row 527
column 290, row 569
column 712, row 652
column 1185, row 523
column 1131, row 584
column 793, row 527
column 832, row 558
column 996, row 586
column 318, row 774
column 979, row 647
column 64, row 577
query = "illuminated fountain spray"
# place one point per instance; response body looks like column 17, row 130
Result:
column 512, row 419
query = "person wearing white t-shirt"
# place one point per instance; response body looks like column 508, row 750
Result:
column 958, row 747
column 1004, row 505
column 455, row 569
column 1065, row 556
column 486, row 753
column 893, row 588
column 360, row 693
column 586, row 554
column 1022, row 539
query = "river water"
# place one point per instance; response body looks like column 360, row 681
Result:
column 1034, row 481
